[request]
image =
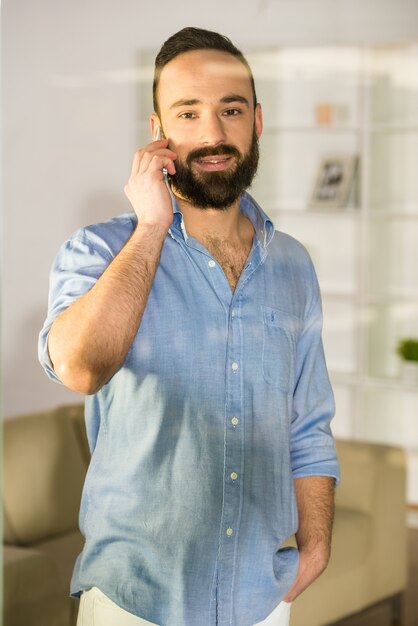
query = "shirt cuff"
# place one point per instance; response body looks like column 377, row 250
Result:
column 316, row 461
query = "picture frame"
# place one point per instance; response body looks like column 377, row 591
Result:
column 334, row 181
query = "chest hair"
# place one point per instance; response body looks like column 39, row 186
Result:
column 230, row 256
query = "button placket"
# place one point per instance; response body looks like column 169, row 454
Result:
column 233, row 467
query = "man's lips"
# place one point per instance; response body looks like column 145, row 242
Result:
column 214, row 163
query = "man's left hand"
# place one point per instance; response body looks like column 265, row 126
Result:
column 315, row 501
column 311, row 565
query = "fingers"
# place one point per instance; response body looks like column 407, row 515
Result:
column 152, row 162
column 146, row 189
column 136, row 162
column 145, row 155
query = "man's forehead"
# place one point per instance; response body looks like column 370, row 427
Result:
column 195, row 68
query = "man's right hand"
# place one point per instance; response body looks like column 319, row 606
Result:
column 146, row 188
column 89, row 340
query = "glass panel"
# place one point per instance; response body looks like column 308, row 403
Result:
column 292, row 83
column 145, row 74
column 331, row 240
column 394, row 85
column 289, row 165
column 390, row 416
column 340, row 336
column 342, row 424
column 145, row 78
column 393, row 171
column 394, row 258
column 412, row 480
column 387, row 324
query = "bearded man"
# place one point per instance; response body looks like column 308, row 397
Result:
column 194, row 329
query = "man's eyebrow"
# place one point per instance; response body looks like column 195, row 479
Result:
column 225, row 100
column 184, row 103
column 235, row 98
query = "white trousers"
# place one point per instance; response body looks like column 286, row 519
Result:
column 96, row 609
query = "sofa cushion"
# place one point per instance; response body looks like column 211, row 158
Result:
column 32, row 593
column 63, row 551
column 44, row 471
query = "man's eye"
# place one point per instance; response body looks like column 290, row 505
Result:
column 230, row 112
column 187, row 115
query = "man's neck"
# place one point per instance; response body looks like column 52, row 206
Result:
column 227, row 224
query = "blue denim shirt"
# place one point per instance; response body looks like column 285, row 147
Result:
column 222, row 401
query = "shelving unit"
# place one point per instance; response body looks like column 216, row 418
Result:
column 366, row 254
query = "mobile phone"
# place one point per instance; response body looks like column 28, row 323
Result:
column 158, row 137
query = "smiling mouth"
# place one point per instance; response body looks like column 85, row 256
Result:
column 213, row 159
column 214, row 162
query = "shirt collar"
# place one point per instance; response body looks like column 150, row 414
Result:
column 263, row 226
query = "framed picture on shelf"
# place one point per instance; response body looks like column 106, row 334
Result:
column 334, row 182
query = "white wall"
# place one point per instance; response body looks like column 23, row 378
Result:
column 69, row 111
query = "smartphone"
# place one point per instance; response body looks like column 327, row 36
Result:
column 158, row 137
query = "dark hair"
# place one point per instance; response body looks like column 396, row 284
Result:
column 191, row 38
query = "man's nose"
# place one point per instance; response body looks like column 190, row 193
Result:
column 212, row 131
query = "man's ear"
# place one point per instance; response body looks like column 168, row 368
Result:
column 258, row 120
column 155, row 125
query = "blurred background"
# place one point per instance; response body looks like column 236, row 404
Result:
column 338, row 82
column 334, row 78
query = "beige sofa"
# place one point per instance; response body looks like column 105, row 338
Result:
column 369, row 549
column 45, row 461
column 46, row 457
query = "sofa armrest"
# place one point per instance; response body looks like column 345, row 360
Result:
column 43, row 476
column 373, row 482
column 359, row 466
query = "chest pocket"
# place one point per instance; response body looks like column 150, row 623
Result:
column 280, row 333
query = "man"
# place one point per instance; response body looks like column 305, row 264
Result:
column 194, row 329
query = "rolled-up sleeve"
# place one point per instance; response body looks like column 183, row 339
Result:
column 313, row 450
column 79, row 263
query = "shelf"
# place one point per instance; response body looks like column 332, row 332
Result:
column 357, row 380
column 390, row 127
column 350, row 295
column 311, row 128
column 303, row 211
column 391, row 384
column 384, row 214
column 357, row 212
column 387, row 128
column 390, row 299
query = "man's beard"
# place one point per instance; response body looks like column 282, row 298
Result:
column 216, row 190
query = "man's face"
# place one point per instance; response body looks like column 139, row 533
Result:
column 207, row 113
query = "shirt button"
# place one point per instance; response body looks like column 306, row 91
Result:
column 211, row 263
column 235, row 421
column 233, row 313
column 229, row 532
column 234, row 475
column 234, row 366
